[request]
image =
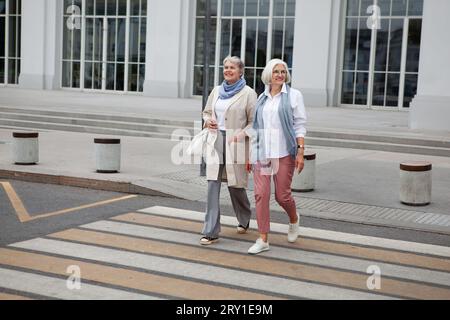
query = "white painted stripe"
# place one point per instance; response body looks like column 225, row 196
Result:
column 199, row 271
column 295, row 255
column 57, row 288
column 414, row 247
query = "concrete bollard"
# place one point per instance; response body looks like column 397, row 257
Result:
column 415, row 183
column 306, row 180
column 107, row 155
column 25, row 148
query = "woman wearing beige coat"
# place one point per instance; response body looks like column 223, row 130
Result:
column 228, row 114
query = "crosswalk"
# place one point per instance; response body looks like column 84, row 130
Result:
column 154, row 254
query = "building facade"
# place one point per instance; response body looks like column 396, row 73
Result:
column 379, row 54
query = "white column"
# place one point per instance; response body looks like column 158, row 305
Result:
column 312, row 45
column 39, row 39
column 167, row 57
column 430, row 109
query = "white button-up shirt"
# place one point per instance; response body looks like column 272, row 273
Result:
column 220, row 108
column 274, row 139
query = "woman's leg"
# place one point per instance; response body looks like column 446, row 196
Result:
column 262, row 198
column 282, row 181
column 241, row 205
column 211, row 227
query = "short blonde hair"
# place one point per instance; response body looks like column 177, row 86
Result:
column 236, row 61
column 266, row 76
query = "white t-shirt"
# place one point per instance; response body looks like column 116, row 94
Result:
column 220, row 108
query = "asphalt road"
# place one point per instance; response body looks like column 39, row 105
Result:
column 52, row 208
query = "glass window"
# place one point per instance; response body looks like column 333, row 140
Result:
column 415, row 7
column 414, row 38
column 10, row 38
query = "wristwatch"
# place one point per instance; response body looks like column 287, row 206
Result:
column 300, row 146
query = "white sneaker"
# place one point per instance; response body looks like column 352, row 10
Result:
column 258, row 247
column 293, row 230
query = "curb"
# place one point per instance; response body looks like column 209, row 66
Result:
column 114, row 186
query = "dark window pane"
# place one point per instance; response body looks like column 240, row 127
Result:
column 135, row 5
column 365, row 4
column 250, row 77
column 259, row 88
column 410, row 89
column 144, row 8
column 252, row 8
column 67, row 3
column 347, row 87
column 264, row 8
column 120, row 76
column 238, row 7
column 226, row 8
column 261, row 54
column 12, row 71
column 395, row 45
column 236, row 38
column 100, row 7
column 414, row 37
column 289, row 42
column 2, row 7
column 78, row 3
column 278, row 8
column 277, row 38
column 225, row 39
column 385, row 7
column 351, row 37
column 141, row 77
column 98, row 39
column 392, row 90
column 110, row 76
column 111, row 49
column 290, row 8
column 89, row 7
column 399, row 7
column 142, row 43
column 132, row 77
column 76, row 75
column 201, row 6
column 352, row 7
column 379, row 83
column 88, row 75
column 250, row 43
column 134, row 38
column 12, row 36
column 121, row 25
column 362, row 81
column 66, row 74
column 382, row 46
column 12, row 7
column 76, row 44
column 214, row 8
column 111, row 7
column 199, row 36
column 198, row 81
column 97, row 75
column 89, row 39
column 415, row 8
column 365, row 36
column 2, row 70
column 122, row 8
column 19, row 34
column 2, row 37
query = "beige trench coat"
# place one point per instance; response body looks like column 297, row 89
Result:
column 238, row 118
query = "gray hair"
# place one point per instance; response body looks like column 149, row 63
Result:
column 236, row 61
column 266, row 76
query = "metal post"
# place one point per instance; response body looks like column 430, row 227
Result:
column 206, row 63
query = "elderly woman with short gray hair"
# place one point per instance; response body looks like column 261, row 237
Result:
column 279, row 127
column 228, row 115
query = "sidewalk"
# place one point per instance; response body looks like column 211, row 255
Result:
column 353, row 185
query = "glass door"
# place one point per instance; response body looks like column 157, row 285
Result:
column 381, row 53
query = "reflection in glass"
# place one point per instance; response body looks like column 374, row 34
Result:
column 379, row 83
column 264, row 8
column 278, row 8
column 261, row 54
column 88, row 75
column 12, row 36
column 134, row 38
column 110, row 76
column 112, row 7
column 290, row 8
column 410, row 89
column 98, row 76
column 238, row 7
column 236, row 37
column 277, row 38
column 414, row 38
column 100, row 7
column 415, row 7
column 111, row 42
column 395, row 44
column 289, row 42
column 66, row 73
column 226, row 7
column 252, row 8
column 250, row 41
column 382, row 46
column 89, row 39
column 392, row 89
column 362, row 81
column 352, row 7
column 347, row 87
column 385, row 7
column 365, row 36
column 225, row 39
column 75, row 75
column 121, row 30
column 399, row 7
column 351, row 36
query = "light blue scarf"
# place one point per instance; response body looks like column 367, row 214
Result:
column 227, row 91
column 287, row 123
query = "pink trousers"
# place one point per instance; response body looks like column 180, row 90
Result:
column 283, row 171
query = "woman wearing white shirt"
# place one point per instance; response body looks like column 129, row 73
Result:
column 228, row 114
column 279, row 129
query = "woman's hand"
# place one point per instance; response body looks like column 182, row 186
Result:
column 211, row 124
column 299, row 162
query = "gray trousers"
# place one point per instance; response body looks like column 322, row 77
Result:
column 239, row 199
